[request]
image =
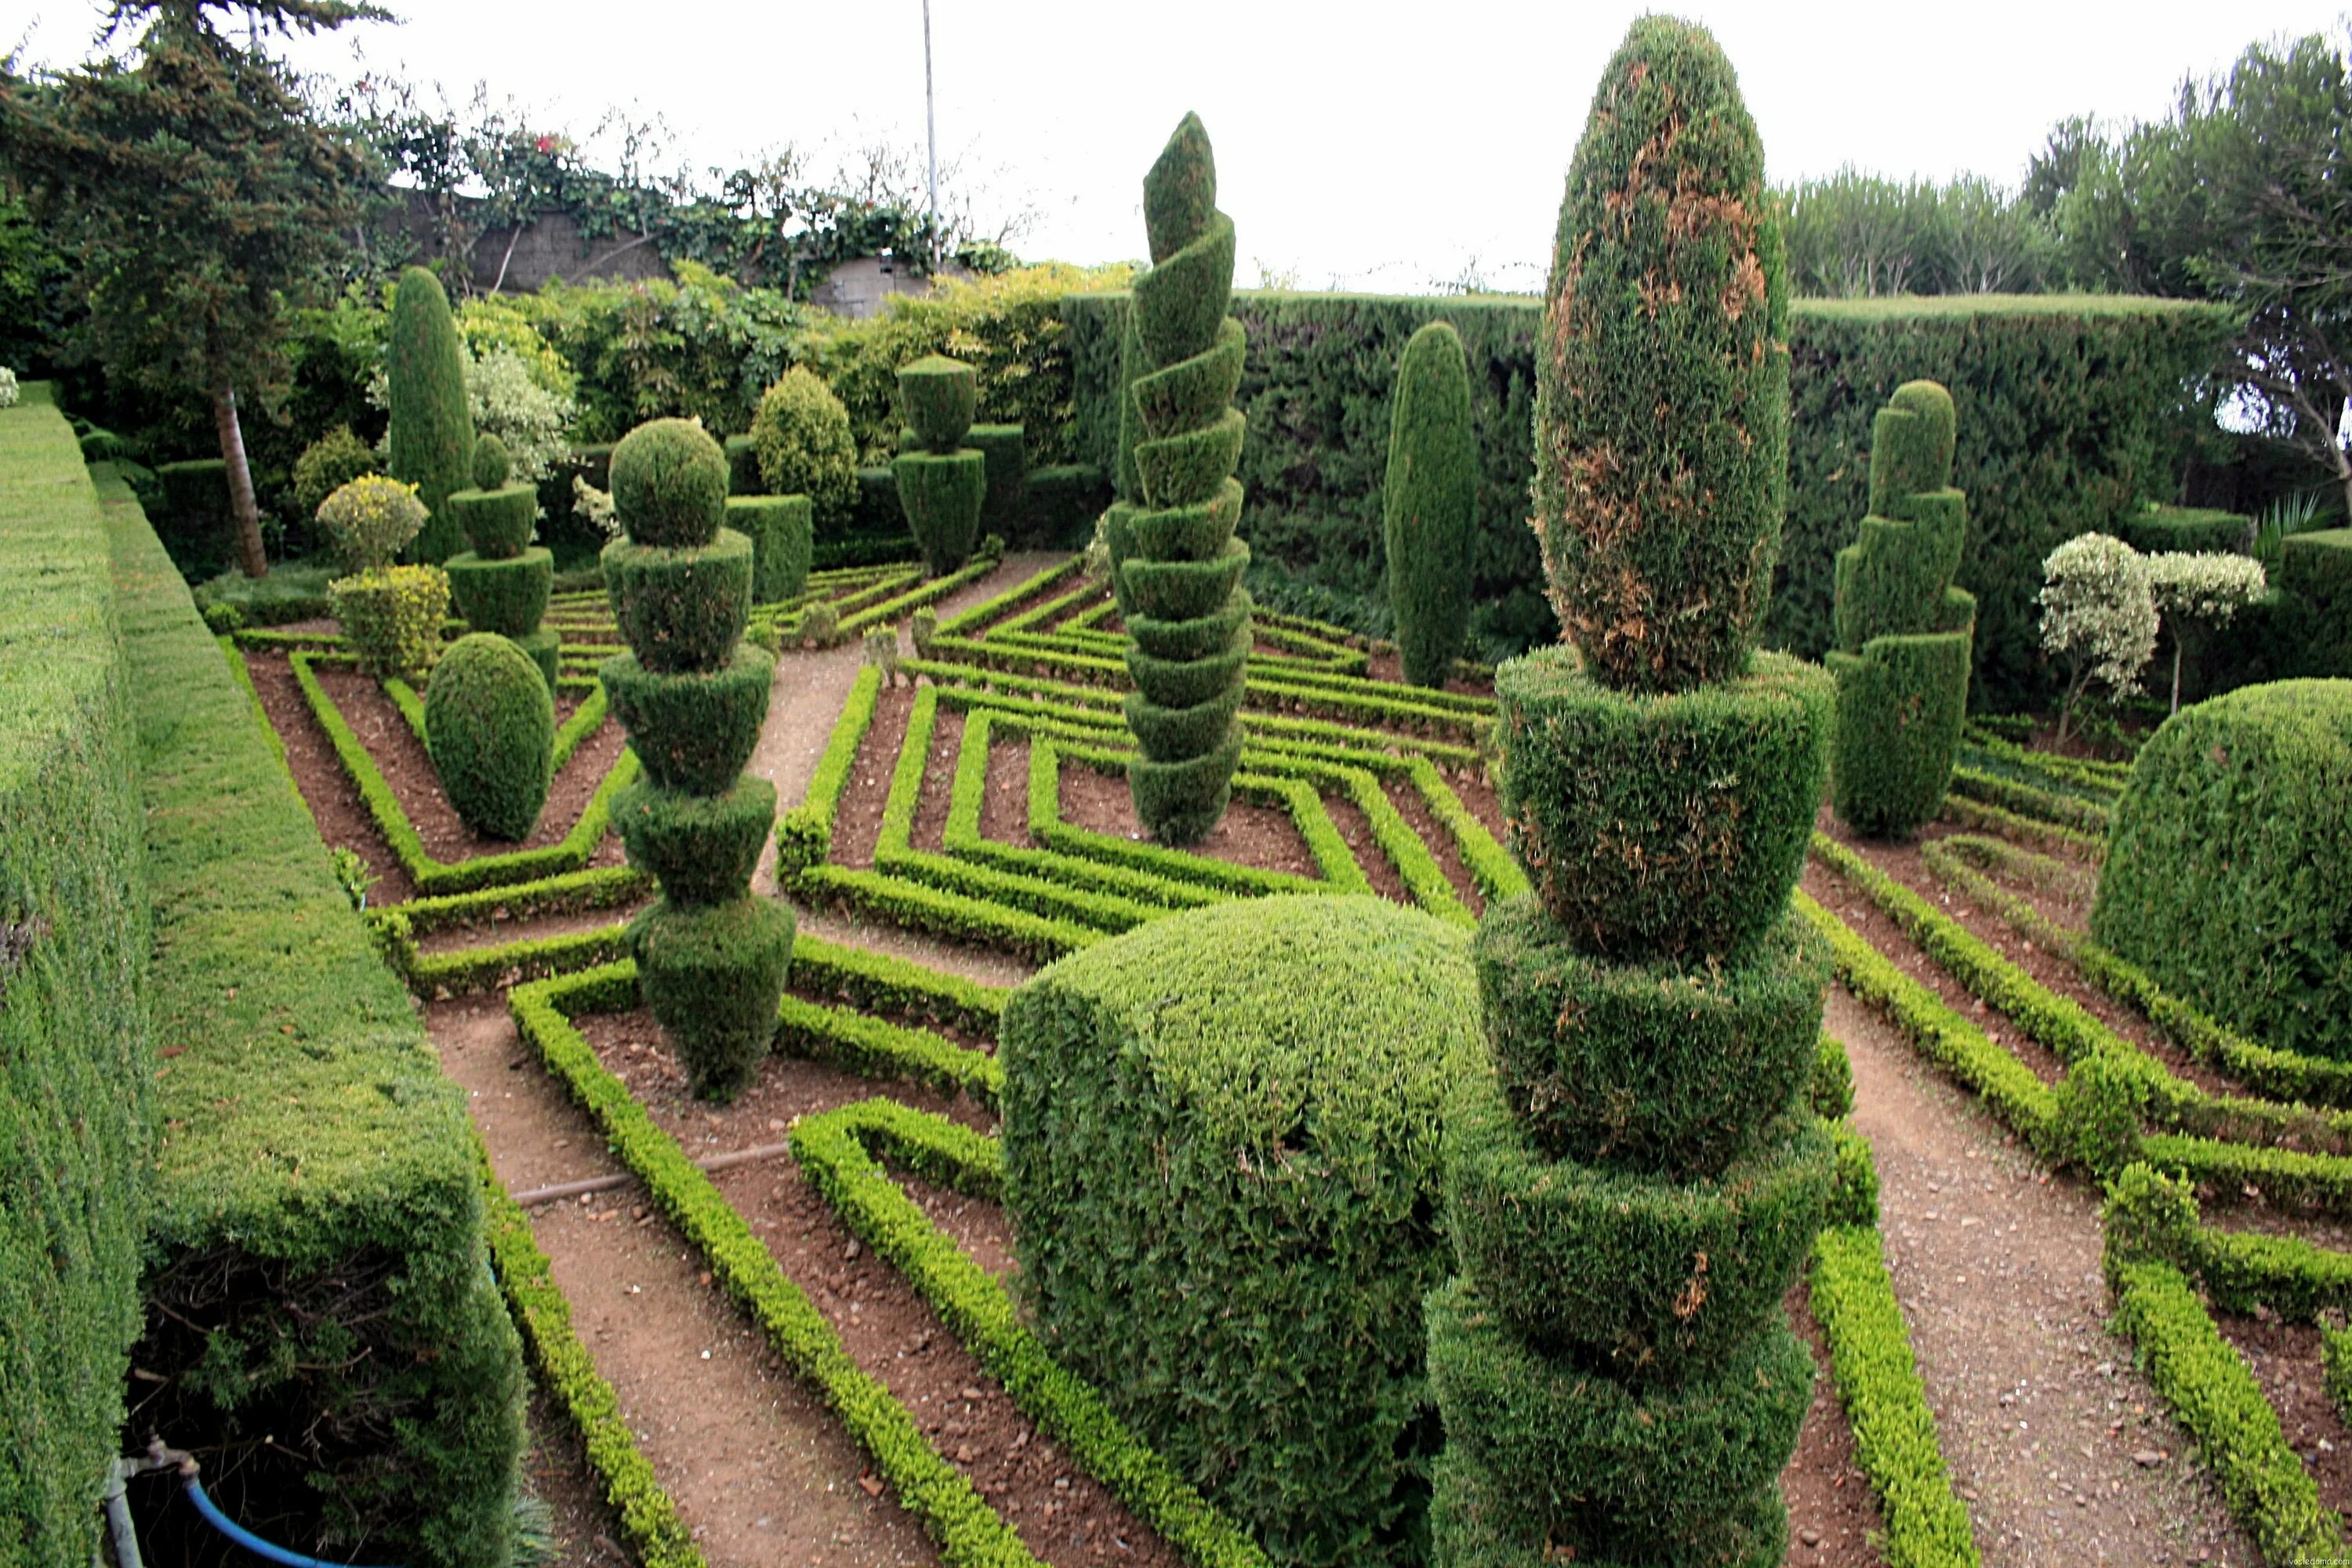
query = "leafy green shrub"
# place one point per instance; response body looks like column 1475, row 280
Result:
column 712, row 974
column 508, row 397
column 781, row 531
column 2099, row 614
column 1185, row 438
column 1903, row 632
column 2246, row 799
column 393, row 616
column 669, row 484
column 1249, row 1295
column 802, row 432
column 432, row 443
column 1431, row 502
column 370, row 519
column 490, row 725
column 2197, row 594
column 327, row 465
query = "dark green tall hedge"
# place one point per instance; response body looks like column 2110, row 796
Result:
column 1184, row 436
column 1431, row 500
column 711, row 959
column 431, row 423
column 2229, row 869
column 2065, row 398
column 1221, row 1151
column 1903, row 630
column 1635, row 1181
column 76, row 1061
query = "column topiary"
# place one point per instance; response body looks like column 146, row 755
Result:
column 431, row 423
column 1633, row 1186
column 1187, row 618
column 943, row 484
column 490, row 725
column 692, row 695
column 1904, row 633
column 501, row 584
column 1430, row 503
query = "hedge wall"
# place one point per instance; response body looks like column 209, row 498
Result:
column 2065, row 400
column 317, row 1209
column 76, row 1058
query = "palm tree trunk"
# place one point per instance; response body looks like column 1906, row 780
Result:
column 244, row 515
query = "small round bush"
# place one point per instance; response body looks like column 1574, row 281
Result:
column 490, row 728
column 669, row 483
column 327, row 465
column 491, row 463
column 801, row 433
column 370, row 519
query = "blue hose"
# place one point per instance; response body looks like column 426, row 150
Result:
column 245, row 1538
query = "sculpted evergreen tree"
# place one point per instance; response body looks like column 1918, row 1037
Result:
column 200, row 195
column 1631, row 1189
column 432, row 427
column 1430, row 503
column 1179, row 566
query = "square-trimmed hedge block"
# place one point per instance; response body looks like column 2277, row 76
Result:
column 782, row 531
column 2196, row 529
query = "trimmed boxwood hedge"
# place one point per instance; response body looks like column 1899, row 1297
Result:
column 2246, row 799
column 1221, row 1139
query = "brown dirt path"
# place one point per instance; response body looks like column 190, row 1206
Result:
column 2063, row 1453
column 761, row 1472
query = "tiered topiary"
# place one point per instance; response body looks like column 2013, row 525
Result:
column 1904, row 635
column 391, row 613
column 490, row 725
column 692, row 694
column 943, row 484
column 1431, row 503
column 431, row 423
column 502, row 584
column 1632, row 1187
column 1181, row 566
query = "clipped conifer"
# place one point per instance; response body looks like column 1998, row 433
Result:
column 711, row 958
column 942, row 483
column 1904, row 633
column 1431, row 503
column 1634, row 1183
column 502, row 582
column 1189, row 646
column 431, row 423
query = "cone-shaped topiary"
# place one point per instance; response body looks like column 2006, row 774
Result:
column 1431, row 503
column 1633, row 1186
column 490, row 728
column 431, row 423
column 711, row 959
column 942, row 486
column 1903, row 632
column 1189, row 651
column 1661, row 379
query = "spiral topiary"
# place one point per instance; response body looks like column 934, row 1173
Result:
column 1173, row 552
column 1430, row 503
column 1633, row 1185
column 432, row 422
column 489, row 727
column 501, row 585
column 1903, row 632
column 943, row 484
column 711, row 959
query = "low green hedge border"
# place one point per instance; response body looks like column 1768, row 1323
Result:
column 2150, row 1215
column 1978, row 815
column 429, row 875
column 648, row 1517
column 836, row 1150
column 2102, row 781
column 2031, row 800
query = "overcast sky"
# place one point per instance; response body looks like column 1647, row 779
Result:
column 1373, row 145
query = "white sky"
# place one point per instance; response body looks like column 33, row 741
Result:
column 1376, row 145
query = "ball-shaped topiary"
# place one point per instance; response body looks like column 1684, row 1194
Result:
column 490, row 728
column 492, row 465
column 327, row 465
column 806, row 447
column 1662, row 376
column 432, row 437
column 1430, row 503
column 669, row 483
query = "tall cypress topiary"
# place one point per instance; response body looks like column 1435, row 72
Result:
column 1903, row 632
column 1431, row 503
column 711, row 959
column 501, row 584
column 432, row 423
column 1181, row 569
column 1633, row 1187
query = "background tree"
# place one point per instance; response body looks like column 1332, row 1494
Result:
column 199, row 193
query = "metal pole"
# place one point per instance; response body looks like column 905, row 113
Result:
column 931, row 132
